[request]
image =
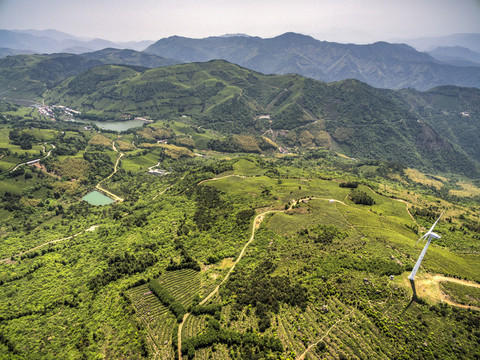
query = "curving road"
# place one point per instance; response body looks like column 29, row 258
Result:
column 99, row 186
column 91, row 228
column 256, row 224
column 48, row 154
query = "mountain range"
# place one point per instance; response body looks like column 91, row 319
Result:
column 456, row 55
column 381, row 64
column 52, row 41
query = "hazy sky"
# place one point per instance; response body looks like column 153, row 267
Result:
column 359, row 21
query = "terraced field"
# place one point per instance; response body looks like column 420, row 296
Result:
column 157, row 320
column 183, row 285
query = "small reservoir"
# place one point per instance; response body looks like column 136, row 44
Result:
column 97, row 198
column 119, row 125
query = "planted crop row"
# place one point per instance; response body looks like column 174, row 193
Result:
column 167, row 299
column 193, row 326
column 182, row 285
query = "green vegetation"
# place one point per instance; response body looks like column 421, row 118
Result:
column 168, row 300
column 308, row 240
column 360, row 197
column 462, row 294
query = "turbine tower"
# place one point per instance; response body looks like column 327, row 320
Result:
column 429, row 235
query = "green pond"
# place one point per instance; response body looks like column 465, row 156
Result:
column 97, row 198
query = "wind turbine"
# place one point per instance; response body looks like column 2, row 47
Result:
column 429, row 235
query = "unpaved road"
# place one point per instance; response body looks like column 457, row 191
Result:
column 256, row 224
column 99, row 186
column 9, row 259
column 428, row 286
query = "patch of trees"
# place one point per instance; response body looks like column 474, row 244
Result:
column 137, row 219
column 70, row 145
column 22, row 139
column 121, row 265
column 205, row 92
column 244, row 217
column 209, row 204
column 473, row 227
column 11, row 201
column 324, row 234
column 167, row 299
column 212, row 309
column 222, row 146
column 426, row 213
column 232, row 116
column 317, row 154
column 350, row 185
column 214, row 335
column 219, row 166
column 187, row 262
column 265, row 292
column 100, row 161
column 87, row 83
column 361, row 197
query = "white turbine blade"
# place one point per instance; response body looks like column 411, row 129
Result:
column 423, row 237
column 429, row 231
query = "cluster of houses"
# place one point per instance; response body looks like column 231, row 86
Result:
column 48, row 111
column 67, row 110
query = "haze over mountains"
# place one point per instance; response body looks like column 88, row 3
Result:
column 381, row 64
column 53, row 41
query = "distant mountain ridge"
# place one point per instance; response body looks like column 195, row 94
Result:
column 456, row 55
column 129, row 57
column 53, row 41
column 381, row 64
column 469, row 41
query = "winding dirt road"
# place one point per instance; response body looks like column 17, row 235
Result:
column 428, row 286
column 26, row 162
column 99, row 186
column 256, row 224
column 9, row 259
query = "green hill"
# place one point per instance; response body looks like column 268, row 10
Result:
column 28, row 76
column 129, row 57
column 362, row 121
column 231, row 256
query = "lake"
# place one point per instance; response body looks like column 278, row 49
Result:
column 118, row 125
column 97, row 198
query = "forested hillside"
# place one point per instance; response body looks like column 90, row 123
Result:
column 350, row 116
